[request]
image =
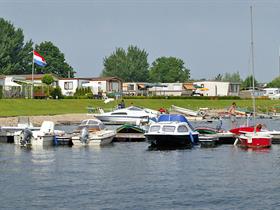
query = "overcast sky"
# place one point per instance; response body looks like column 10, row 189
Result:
column 211, row 37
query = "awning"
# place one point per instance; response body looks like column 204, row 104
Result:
column 9, row 82
column 93, row 85
column 189, row 86
column 142, row 86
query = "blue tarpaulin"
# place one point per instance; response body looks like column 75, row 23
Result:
column 174, row 118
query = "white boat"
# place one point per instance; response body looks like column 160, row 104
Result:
column 171, row 131
column 132, row 115
column 92, row 132
column 42, row 137
column 23, row 122
column 202, row 112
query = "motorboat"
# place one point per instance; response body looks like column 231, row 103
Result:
column 128, row 132
column 132, row 115
column 8, row 132
column 92, row 132
column 200, row 113
column 224, row 137
column 43, row 137
column 254, row 140
column 171, row 130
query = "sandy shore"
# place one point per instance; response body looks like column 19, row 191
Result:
column 37, row 120
column 62, row 119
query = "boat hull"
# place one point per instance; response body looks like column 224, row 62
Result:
column 255, row 142
column 122, row 119
column 171, row 140
column 95, row 139
column 46, row 140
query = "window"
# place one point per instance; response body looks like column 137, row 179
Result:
column 233, row 88
column 130, row 87
column 168, row 128
column 134, row 108
column 115, row 86
column 92, row 122
column 154, row 128
column 68, row 85
column 182, row 129
column 119, row 113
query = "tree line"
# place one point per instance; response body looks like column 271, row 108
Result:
column 131, row 65
column 247, row 82
column 16, row 55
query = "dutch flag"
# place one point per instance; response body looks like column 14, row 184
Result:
column 38, row 59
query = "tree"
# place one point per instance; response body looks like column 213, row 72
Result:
column 55, row 59
column 275, row 83
column 248, row 82
column 169, row 69
column 48, row 79
column 234, row 77
column 219, row 77
column 15, row 55
column 130, row 66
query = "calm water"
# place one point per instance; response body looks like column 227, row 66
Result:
column 128, row 176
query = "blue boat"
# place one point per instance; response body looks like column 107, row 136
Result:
column 171, row 130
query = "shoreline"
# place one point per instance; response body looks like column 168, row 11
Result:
column 62, row 119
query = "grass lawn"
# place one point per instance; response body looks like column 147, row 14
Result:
column 27, row 107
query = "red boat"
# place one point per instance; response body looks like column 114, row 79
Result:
column 255, row 140
column 242, row 130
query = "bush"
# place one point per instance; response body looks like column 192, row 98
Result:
column 83, row 92
column 56, row 93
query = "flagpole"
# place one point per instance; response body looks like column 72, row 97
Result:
column 32, row 76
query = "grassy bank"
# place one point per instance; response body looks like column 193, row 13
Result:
column 22, row 107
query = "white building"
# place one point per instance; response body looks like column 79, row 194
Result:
column 100, row 85
column 217, row 88
column 68, row 86
column 270, row 91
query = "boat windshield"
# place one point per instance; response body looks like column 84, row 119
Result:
column 134, row 108
column 154, row 128
column 168, row 128
column 84, row 122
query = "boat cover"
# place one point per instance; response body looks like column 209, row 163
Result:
column 174, row 118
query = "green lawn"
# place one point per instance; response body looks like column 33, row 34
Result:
column 17, row 107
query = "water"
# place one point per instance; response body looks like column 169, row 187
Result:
column 128, row 176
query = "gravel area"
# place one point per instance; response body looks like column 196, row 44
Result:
column 37, row 120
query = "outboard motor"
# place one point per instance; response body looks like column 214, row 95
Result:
column 26, row 137
column 84, row 135
column 219, row 125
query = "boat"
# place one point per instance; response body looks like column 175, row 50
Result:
column 92, row 132
column 201, row 113
column 253, row 138
column 43, row 137
column 208, row 140
column 171, row 130
column 128, row 132
column 224, row 137
column 131, row 115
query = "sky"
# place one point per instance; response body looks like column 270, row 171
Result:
column 212, row 37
